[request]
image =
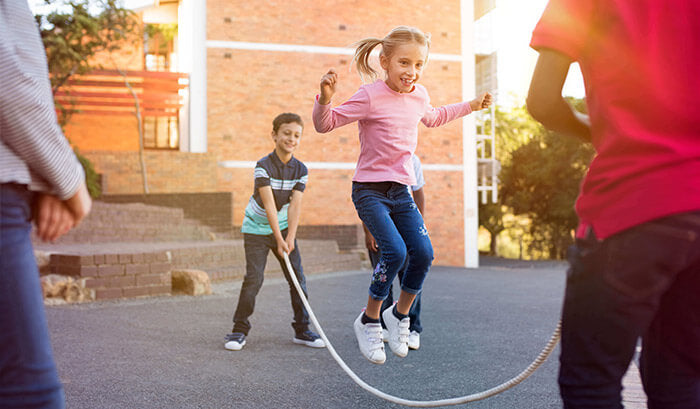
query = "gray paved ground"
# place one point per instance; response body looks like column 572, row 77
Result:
column 482, row 327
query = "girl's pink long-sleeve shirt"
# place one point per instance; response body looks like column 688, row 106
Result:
column 388, row 125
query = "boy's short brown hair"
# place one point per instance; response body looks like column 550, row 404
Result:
column 286, row 118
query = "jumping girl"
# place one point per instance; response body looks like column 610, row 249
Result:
column 388, row 112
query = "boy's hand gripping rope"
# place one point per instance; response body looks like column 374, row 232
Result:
column 424, row 403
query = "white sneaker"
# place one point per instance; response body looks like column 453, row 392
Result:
column 385, row 335
column 369, row 338
column 414, row 340
column 398, row 332
column 234, row 341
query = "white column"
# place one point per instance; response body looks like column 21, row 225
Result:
column 193, row 33
column 470, row 195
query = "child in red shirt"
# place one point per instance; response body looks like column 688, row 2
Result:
column 635, row 268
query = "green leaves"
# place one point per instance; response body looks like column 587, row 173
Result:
column 539, row 181
column 73, row 35
column 77, row 31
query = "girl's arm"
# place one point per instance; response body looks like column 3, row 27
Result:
column 326, row 118
column 441, row 115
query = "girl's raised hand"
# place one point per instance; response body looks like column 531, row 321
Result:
column 328, row 86
column 483, row 101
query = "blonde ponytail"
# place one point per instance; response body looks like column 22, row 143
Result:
column 397, row 36
column 361, row 58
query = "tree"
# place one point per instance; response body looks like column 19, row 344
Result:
column 514, row 128
column 76, row 31
column 542, row 181
column 73, row 36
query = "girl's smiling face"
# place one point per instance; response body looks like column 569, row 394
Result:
column 404, row 67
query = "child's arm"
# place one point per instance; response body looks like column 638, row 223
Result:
column 271, row 211
column 293, row 214
column 545, row 102
column 370, row 242
column 441, row 115
column 419, row 198
column 327, row 87
column 326, row 118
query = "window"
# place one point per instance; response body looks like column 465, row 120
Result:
column 161, row 105
column 161, row 132
column 158, row 45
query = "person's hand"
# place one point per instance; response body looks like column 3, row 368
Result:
column 282, row 248
column 327, row 86
column 483, row 101
column 290, row 244
column 53, row 219
column 370, row 242
column 79, row 204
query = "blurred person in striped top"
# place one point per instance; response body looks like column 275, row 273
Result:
column 41, row 180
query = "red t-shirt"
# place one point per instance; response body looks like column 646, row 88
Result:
column 640, row 61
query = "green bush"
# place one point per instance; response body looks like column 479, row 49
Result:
column 92, row 178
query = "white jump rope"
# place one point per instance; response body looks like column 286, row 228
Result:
column 423, row 403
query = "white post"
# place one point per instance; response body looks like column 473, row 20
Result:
column 469, row 177
column 193, row 30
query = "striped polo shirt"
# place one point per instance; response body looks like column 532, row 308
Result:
column 283, row 178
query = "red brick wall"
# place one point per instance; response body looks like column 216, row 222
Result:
column 167, row 171
column 318, row 23
column 246, row 89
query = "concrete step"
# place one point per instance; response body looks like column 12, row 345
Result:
column 135, row 222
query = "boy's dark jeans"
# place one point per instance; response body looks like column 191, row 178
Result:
column 256, row 250
column 642, row 282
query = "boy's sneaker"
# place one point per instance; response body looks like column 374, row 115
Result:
column 369, row 338
column 414, row 340
column 398, row 332
column 385, row 335
column 235, row 341
column 309, row 338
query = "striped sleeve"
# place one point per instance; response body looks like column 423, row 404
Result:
column 261, row 175
column 33, row 148
column 303, row 180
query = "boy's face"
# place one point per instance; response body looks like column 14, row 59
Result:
column 287, row 137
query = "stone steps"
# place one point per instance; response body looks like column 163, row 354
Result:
column 129, row 250
column 138, row 222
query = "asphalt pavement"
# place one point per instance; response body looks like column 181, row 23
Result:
column 481, row 328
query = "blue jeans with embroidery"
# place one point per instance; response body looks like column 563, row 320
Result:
column 391, row 215
column 414, row 312
column 28, row 377
column 642, row 282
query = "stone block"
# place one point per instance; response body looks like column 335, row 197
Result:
column 43, row 261
column 191, row 282
column 64, row 288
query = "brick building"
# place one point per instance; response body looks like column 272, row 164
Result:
column 248, row 61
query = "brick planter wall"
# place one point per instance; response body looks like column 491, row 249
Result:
column 112, row 276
